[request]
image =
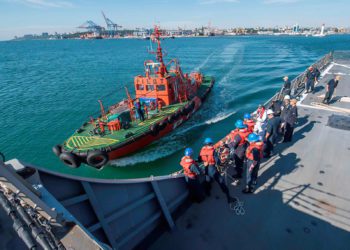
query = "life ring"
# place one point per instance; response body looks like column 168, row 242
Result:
column 57, row 150
column 97, row 158
column 155, row 129
column 70, row 159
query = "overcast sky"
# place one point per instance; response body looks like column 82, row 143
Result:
column 19, row 17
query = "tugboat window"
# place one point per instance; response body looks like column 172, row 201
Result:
column 140, row 87
column 161, row 87
column 150, row 87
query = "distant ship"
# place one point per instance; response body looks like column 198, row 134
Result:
column 165, row 95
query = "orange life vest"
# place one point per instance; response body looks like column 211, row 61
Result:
column 186, row 163
column 231, row 136
column 250, row 124
column 207, row 155
column 243, row 133
column 258, row 145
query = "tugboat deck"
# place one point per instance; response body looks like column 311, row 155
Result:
column 302, row 200
column 85, row 140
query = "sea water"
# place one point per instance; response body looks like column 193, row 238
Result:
column 49, row 88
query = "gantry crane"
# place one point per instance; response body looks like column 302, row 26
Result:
column 112, row 27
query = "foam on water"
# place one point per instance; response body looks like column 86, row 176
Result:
column 167, row 145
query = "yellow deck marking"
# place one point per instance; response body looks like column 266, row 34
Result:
column 89, row 141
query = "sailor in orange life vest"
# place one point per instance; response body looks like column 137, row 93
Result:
column 254, row 155
column 207, row 156
column 249, row 122
column 237, row 143
column 191, row 172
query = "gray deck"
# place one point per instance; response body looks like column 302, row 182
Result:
column 303, row 199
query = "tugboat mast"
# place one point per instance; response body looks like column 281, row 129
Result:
column 159, row 53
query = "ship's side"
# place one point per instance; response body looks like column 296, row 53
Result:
column 302, row 200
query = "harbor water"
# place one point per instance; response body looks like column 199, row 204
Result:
column 49, row 88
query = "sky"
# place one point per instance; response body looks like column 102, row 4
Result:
column 19, row 17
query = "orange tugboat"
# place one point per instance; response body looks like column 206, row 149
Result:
column 165, row 98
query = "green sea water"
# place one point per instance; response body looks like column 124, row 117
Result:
column 50, row 88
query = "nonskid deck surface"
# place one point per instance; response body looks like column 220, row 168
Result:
column 302, row 200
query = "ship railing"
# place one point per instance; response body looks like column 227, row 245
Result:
column 298, row 83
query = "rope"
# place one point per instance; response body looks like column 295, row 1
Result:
column 237, row 207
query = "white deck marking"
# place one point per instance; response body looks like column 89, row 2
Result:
column 304, row 95
column 342, row 65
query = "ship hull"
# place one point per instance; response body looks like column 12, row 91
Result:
column 136, row 143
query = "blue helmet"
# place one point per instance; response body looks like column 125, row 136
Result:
column 188, row 151
column 208, row 141
column 240, row 124
column 253, row 137
column 246, row 116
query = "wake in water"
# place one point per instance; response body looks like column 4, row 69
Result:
column 169, row 144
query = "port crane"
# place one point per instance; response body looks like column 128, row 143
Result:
column 112, row 27
column 92, row 27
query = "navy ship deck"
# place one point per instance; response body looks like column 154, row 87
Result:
column 302, row 200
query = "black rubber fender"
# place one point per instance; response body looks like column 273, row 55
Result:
column 163, row 124
column 155, row 129
column 192, row 105
column 70, row 159
column 171, row 118
column 97, row 158
column 183, row 111
column 177, row 115
column 57, row 150
column 187, row 110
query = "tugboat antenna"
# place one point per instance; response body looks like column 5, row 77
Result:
column 155, row 37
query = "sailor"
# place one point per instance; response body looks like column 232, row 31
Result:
column 286, row 86
column 222, row 153
column 152, row 105
column 191, row 172
column 276, row 107
column 330, row 88
column 207, row 156
column 317, row 74
column 238, row 144
column 249, row 122
column 254, row 156
column 160, row 104
column 290, row 119
column 139, row 112
column 260, row 125
column 145, row 110
column 310, row 80
column 285, row 109
column 272, row 127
